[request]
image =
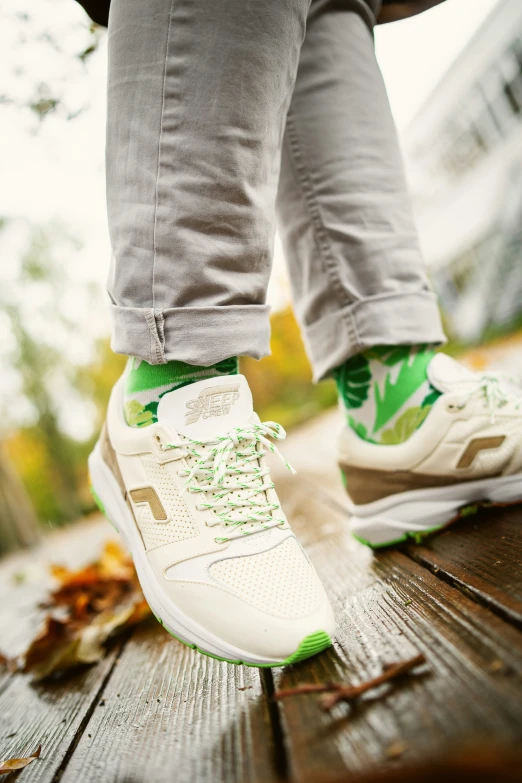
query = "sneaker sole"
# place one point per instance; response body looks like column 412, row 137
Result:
column 422, row 512
column 108, row 497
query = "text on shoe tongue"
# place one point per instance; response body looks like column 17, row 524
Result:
column 212, row 401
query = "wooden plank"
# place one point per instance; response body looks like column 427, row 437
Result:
column 48, row 714
column 481, row 554
column 389, row 608
column 169, row 713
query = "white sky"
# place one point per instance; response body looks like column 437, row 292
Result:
column 56, row 171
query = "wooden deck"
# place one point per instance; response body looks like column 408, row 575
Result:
column 154, row 710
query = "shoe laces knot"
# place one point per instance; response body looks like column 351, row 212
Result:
column 494, row 387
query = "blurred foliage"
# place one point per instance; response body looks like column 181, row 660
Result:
column 95, row 380
column 37, row 371
column 49, row 82
column 282, row 383
column 42, row 474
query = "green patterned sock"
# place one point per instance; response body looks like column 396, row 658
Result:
column 146, row 383
column 386, row 392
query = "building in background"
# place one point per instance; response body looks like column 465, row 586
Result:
column 464, row 158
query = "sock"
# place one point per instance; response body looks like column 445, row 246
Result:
column 146, row 383
column 386, row 392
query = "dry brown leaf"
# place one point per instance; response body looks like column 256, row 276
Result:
column 10, row 664
column 52, row 650
column 94, row 603
column 10, row 765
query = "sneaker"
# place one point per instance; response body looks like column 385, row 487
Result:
column 467, row 451
column 192, row 498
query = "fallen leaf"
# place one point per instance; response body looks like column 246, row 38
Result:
column 396, row 749
column 88, row 606
column 10, row 765
column 11, row 664
column 54, row 649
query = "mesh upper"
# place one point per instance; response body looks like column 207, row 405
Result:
column 179, row 524
column 279, row 581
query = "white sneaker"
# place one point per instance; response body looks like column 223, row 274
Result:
column 467, row 451
column 215, row 555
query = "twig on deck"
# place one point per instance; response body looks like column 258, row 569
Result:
column 337, row 692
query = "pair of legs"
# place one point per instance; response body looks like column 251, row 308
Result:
column 223, row 114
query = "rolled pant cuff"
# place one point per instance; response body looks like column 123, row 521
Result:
column 397, row 319
column 196, row 335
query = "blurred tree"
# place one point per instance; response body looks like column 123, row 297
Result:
column 36, row 330
column 281, row 383
column 96, row 379
column 42, row 84
column 18, row 522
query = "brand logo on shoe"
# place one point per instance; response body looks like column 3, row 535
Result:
column 150, row 496
column 476, row 446
column 212, row 401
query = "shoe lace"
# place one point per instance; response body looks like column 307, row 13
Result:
column 227, row 473
column 494, row 387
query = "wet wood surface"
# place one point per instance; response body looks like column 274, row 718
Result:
column 155, row 710
column 482, row 555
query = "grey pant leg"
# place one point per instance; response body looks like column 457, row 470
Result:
column 357, row 274
column 198, row 96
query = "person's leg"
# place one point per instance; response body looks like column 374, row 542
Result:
column 442, row 436
column 198, row 95
column 358, row 278
column 197, row 101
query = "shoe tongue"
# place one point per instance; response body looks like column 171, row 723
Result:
column 207, row 408
column 446, row 375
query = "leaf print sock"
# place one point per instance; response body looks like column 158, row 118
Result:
column 146, row 383
column 386, row 392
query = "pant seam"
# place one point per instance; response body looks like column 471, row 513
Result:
column 155, row 327
column 330, row 264
column 160, row 328
column 314, row 210
column 160, row 139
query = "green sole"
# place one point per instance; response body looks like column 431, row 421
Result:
column 418, row 536
column 311, row 645
column 98, row 501
column 102, row 508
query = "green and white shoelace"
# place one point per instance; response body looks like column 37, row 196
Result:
column 227, row 473
column 495, row 388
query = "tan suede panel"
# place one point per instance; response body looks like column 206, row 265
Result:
column 365, row 485
column 150, row 496
column 109, row 457
column 476, row 446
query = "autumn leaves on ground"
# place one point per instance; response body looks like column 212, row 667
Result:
column 86, row 608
